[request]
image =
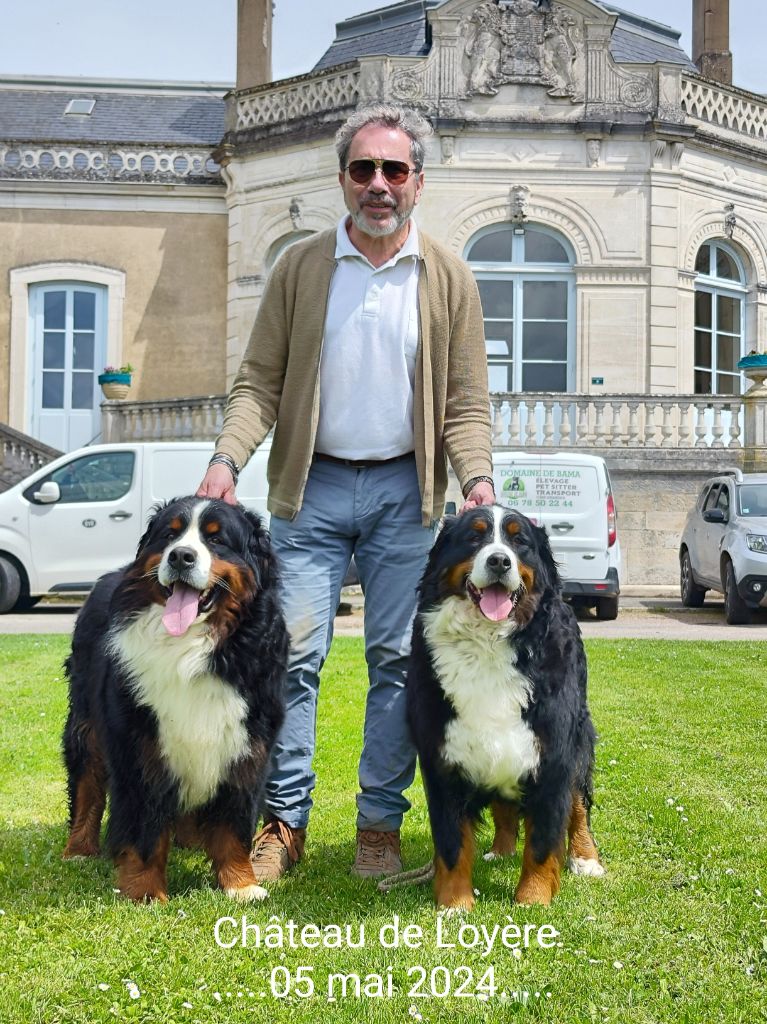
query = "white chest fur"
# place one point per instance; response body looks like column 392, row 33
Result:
column 474, row 662
column 201, row 720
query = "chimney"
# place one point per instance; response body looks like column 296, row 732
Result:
column 254, row 43
column 711, row 39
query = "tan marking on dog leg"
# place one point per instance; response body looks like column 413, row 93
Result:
column 583, row 854
column 506, row 820
column 90, row 800
column 453, row 888
column 143, row 880
column 538, row 883
column 232, row 864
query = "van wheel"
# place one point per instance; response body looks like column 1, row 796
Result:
column 693, row 596
column 27, row 601
column 10, row 585
column 607, row 608
column 736, row 611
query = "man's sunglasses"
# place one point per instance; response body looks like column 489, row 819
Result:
column 396, row 172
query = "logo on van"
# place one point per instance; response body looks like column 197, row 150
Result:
column 515, row 485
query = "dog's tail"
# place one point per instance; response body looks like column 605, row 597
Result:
column 418, row 876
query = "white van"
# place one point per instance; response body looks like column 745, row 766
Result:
column 570, row 495
column 82, row 515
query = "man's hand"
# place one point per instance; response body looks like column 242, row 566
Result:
column 480, row 494
column 218, row 482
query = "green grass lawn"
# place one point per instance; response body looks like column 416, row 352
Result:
column 676, row 932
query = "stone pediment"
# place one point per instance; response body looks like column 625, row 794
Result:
column 510, row 59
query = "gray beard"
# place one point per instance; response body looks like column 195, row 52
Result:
column 397, row 220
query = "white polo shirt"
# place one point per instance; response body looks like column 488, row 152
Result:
column 367, row 370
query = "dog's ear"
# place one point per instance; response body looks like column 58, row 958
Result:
column 154, row 515
column 260, row 550
column 440, row 545
column 547, row 558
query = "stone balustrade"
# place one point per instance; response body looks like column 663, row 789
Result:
column 545, row 419
column 725, row 108
column 525, row 420
column 21, row 455
column 302, row 96
column 172, row 419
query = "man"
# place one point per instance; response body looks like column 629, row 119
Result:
column 368, row 358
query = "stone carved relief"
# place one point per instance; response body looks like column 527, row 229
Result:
column 519, row 201
column 730, row 219
column 593, row 151
column 523, row 42
column 296, row 214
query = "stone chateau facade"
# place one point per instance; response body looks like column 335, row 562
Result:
column 608, row 191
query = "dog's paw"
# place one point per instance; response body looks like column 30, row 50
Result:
column 586, row 866
column 79, row 851
column 457, row 909
column 247, row 893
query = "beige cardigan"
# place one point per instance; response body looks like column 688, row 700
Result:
column 278, row 381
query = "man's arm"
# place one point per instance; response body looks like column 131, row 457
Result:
column 251, row 408
column 467, row 433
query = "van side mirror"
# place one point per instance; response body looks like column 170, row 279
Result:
column 714, row 515
column 49, row 493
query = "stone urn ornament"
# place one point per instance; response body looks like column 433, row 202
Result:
column 115, row 381
column 754, row 365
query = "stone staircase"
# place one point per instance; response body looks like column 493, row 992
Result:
column 21, row 455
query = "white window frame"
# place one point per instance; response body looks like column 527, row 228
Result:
column 22, row 325
column 517, row 273
column 716, row 287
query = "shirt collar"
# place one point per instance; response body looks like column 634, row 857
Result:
column 344, row 246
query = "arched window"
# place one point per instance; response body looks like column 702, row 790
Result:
column 527, row 290
column 720, row 288
column 276, row 249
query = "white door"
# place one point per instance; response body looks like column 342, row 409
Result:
column 68, row 353
column 94, row 527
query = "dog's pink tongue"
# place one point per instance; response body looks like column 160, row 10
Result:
column 180, row 609
column 495, row 603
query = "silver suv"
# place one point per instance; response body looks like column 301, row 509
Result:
column 724, row 544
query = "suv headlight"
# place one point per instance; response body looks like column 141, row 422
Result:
column 757, row 542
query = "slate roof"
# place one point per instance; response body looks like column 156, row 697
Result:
column 400, row 30
column 637, row 40
column 132, row 113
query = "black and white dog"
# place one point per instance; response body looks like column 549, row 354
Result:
column 176, row 694
column 497, row 705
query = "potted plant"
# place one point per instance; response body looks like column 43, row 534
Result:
column 115, row 381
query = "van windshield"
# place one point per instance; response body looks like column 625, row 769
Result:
column 752, row 499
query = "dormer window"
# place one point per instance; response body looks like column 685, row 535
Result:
column 80, row 106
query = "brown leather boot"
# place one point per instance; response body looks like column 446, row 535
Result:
column 276, row 848
column 378, row 854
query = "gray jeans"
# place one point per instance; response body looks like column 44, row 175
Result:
column 374, row 514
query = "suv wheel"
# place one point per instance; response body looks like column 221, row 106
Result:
column 10, row 585
column 693, row 596
column 607, row 608
column 736, row 611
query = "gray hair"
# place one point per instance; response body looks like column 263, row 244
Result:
column 406, row 119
